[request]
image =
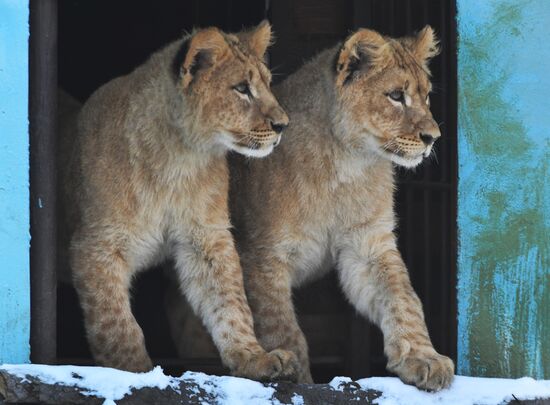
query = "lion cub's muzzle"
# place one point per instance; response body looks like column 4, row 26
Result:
column 410, row 150
column 254, row 143
column 260, row 139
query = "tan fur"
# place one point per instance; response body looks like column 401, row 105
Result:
column 325, row 198
column 328, row 192
column 147, row 179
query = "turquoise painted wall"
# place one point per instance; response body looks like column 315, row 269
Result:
column 504, row 199
column 14, row 182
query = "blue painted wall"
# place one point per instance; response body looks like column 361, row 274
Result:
column 14, row 182
column 504, row 199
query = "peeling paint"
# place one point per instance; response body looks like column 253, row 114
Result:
column 14, row 182
column 504, row 150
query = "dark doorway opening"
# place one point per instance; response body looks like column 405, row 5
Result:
column 103, row 39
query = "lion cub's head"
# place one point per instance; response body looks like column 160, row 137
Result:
column 383, row 89
column 226, row 88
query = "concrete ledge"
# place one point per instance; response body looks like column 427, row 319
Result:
column 98, row 385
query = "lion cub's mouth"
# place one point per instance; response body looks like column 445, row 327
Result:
column 405, row 152
column 402, row 159
column 255, row 143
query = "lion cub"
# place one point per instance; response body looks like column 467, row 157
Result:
column 325, row 198
column 147, row 180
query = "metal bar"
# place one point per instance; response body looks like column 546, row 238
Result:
column 445, row 270
column 196, row 13
column 425, row 11
column 43, row 126
column 452, row 118
column 267, row 16
column 445, row 151
column 424, row 184
column 267, row 6
column 361, row 14
column 372, row 15
column 427, row 170
column 426, row 175
column 228, row 15
column 427, row 270
column 443, row 61
column 410, row 231
column 391, row 13
column 409, row 184
column 409, row 17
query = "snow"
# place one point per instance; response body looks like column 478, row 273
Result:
column 102, row 382
column 463, row 391
column 113, row 385
column 297, row 399
column 232, row 390
column 337, row 383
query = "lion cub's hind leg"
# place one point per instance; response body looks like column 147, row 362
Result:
column 212, row 281
column 270, row 298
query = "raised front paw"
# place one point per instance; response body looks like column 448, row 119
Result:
column 423, row 367
column 275, row 365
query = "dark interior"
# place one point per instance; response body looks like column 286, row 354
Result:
column 99, row 40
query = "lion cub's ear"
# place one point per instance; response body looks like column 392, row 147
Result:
column 425, row 45
column 202, row 51
column 259, row 38
column 364, row 47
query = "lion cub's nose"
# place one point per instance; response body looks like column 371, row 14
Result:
column 278, row 127
column 428, row 139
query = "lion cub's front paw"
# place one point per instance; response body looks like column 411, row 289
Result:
column 426, row 369
column 275, row 365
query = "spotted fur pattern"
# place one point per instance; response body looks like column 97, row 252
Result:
column 146, row 179
column 325, row 198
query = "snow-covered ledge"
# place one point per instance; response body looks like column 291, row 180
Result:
column 97, row 385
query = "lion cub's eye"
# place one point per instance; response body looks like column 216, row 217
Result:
column 243, row 88
column 397, row 95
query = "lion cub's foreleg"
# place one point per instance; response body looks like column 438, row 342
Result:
column 211, row 278
column 269, row 295
column 102, row 279
column 209, row 274
column 376, row 281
